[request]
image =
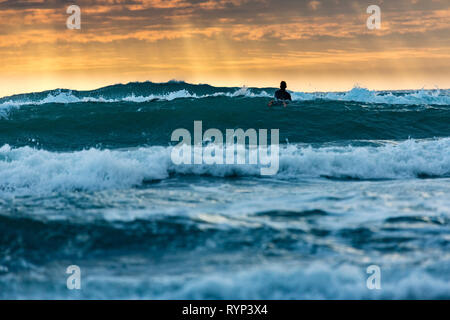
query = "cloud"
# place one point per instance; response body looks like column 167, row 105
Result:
column 314, row 5
column 212, row 36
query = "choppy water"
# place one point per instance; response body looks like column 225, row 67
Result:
column 86, row 179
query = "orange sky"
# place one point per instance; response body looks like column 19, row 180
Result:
column 314, row 45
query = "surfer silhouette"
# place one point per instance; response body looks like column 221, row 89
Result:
column 281, row 95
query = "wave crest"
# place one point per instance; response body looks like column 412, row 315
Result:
column 27, row 170
column 145, row 92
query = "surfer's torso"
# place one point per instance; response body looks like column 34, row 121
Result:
column 282, row 95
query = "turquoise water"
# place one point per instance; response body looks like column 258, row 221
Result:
column 86, row 179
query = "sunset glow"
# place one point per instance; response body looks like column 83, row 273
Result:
column 313, row 45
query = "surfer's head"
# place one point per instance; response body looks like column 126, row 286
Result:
column 283, row 85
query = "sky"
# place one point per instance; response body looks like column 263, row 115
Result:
column 318, row 45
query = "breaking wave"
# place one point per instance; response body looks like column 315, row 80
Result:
column 148, row 91
column 27, row 170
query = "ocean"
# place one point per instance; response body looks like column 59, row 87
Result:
column 87, row 180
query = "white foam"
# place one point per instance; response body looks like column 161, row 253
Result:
column 30, row 171
column 68, row 97
column 420, row 97
column 403, row 160
column 357, row 94
column 58, row 97
column 38, row 171
column 315, row 281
